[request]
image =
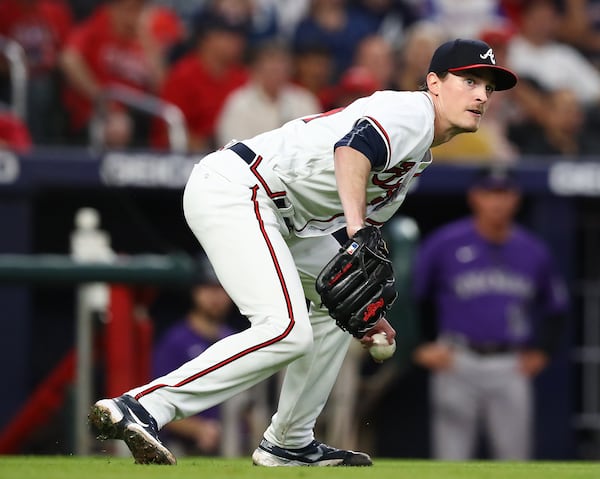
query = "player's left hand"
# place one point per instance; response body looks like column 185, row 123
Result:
column 357, row 286
column 531, row 362
column 381, row 326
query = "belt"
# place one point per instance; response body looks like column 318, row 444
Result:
column 243, row 152
column 483, row 348
column 491, row 349
column 246, row 154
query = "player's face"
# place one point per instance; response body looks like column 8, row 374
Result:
column 463, row 98
column 228, row 45
column 212, row 300
column 495, row 207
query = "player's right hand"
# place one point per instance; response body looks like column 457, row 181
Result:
column 381, row 326
column 435, row 356
column 208, row 435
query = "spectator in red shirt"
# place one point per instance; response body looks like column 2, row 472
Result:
column 40, row 27
column 356, row 82
column 114, row 46
column 200, row 81
column 13, row 133
column 313, row 70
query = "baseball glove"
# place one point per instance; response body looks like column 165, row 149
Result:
column 357, row 286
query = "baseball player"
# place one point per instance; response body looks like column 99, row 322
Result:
column 500, row 308
column 264, row 211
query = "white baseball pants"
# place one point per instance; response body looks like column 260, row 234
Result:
column 268, row 274
column 487, row 392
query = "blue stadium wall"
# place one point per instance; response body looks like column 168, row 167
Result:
column 139, row 199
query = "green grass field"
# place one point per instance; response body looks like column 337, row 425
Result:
column 58, row 467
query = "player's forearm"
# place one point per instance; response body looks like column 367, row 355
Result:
column 78, row 74
column 352, row 170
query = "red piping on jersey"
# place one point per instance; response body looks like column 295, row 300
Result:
column 252, row 349
column 253, row 169
column 387, row 138
column 373, row 222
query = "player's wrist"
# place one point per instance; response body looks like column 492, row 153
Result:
column 351, row 229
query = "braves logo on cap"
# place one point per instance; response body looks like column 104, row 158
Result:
column 489, row 54
column 460, row 55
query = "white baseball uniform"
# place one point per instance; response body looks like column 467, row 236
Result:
column 264, row 210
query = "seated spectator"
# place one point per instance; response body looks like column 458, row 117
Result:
column 374, row 53
column 564, row 130
column 331, row 23
column 204, row 325
column 14, row 135
column 390, row 18
column 289, row 14
column 259, row 17
column 580, row 27
column 262, row 18
column 420, row 41
column 82, row 9
column 200, row 82
column 165, row 27
column 464, row 19
column 268, row 100
column 536, row 53
column 186, row 10
column 356, row 82
column 41, row 28
column 313, row 70
column 109, row 48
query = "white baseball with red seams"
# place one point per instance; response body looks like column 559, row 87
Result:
column 381, row 349
column 238, row 207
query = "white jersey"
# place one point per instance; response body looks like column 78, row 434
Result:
column 301, row 155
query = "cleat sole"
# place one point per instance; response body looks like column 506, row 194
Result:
column 102, row 423
column 145, row 449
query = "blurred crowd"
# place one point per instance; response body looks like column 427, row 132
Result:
column 235, row 68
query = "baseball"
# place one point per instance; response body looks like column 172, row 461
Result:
column 381, row 349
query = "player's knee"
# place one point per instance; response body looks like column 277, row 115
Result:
column 301, row 338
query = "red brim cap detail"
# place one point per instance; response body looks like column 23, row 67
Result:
column 503, row 77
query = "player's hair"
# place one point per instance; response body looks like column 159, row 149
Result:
column 266, row 49
column 423, row 86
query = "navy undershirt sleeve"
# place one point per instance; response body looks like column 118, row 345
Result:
column 366, row 139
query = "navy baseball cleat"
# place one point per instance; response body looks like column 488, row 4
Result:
column 125, row 418
column 315, row 454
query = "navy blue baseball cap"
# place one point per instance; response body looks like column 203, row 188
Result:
column 495, row 178
column 460, row 55
column 204, row 273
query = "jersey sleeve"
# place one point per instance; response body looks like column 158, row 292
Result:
column 403, row 124
column 367, row 139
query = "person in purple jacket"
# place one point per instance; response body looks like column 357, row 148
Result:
column 499, row 307
column 204, row 325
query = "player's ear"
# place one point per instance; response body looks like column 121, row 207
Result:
column 433, row 83
column 472, row 198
